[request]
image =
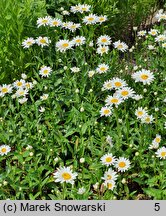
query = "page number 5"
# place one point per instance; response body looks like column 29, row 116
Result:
column 157, row 207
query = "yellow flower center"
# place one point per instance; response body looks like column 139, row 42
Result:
column 29, row 43
column 163, row 154
column 3, row 150
column 124, row 93
column 118, row 84
column 109, row 85
column 44, row 21
column 147, row 119
column 162, row 38
column 45, row 71
column 65, row 45
column 109, row 177
column 157, row 139
column 27, row 85
column 140, row 113
column 144, row 76
column 73, row 26
column 101, row 19
column 42, row 41
column 153, row 32
column 4, row 90
column 103, row 49
column 108, row 159
column 106, row 112
column 66, row 176
column 91, row 18
column 120, row 46
column 102, row 68
column 19, row 84
column 114, row 100
column 109, row 185
column 78, row 41
column 122, row 164
column 84, row 9
column 21, row 92
column 55, row 23
column 103, row 40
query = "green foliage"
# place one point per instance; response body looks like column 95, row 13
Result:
column 17, row 22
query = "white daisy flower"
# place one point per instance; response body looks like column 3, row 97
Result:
column 29, row 85
column 55, row 22
column 122, row 164
column 21, row 92
column 65, row 174
column 141, row 33
column 65, row 25
column 91, row 73
column 101, row 19
column 22, row 100
column 157, row 139
column 64, row 45
column 90, row 19
column 73, row 26
column 105, row 111
column 148, row 119
column 109, row 184
column 126, row 92
column 140, row 113
column 153, row 32
column 102, row 68
column 75, row 9
column 28, row 42
column 161, row 153
column 4, row 149
column 118, row 83
column 19, row 84
column 75, row 69
column 120, row 46
column 108, row 159
column 78, row 40
column 44, row 97
column 43, row 21
column 81, row 190
column 110, row 175
column 144, row 76
column 160, row 16
column 84, row 8
column 102, row 49
column 137, row 97
column 4, row 89
column 45, row 71
column 108, row 85
column 160, row 38
column 104, row 40
column 43, row 41
column 113, row 100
